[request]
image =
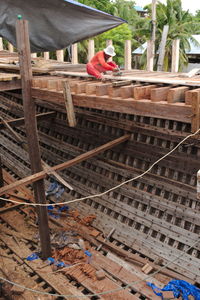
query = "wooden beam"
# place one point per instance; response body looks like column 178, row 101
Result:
column 143, row 92
column 160, row 94
column 178, row 112
column 20, row 121
column 196, row 112
column 177, row 94
column 13, row 84
column 68, row 164
column 23, row 46
column 69, row 104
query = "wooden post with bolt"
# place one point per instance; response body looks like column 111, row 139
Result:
column 23, row 46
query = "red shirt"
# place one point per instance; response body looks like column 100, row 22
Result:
column 99, row 60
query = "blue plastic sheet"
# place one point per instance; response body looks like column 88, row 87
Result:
column 32, row 257
column 51, row 261
column 179, row 288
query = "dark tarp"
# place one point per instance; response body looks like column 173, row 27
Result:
column 54, row 24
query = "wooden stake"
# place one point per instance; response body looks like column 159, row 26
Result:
column 175, row 55
column 150, row 56
column 75, row 54
column 162, row 48
column 91, row 49
column 10, row 47
column 60, row 55
column 127, row 55
column 67, row 164
column 69, row 104
column 23, row 46
column 1, row 43
column 46, row 55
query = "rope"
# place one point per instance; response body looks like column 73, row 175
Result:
column 109, row 190
column 106, row 292
column 98, row 195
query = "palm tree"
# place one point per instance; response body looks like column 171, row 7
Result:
column 182, row 25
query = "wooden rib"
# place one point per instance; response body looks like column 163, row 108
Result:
column 76, row 160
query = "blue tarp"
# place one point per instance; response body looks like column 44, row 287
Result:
column 179, row 288
column 54, row 24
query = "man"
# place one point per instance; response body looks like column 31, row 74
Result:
column 98, row 64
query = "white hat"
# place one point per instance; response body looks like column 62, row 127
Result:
column 110, row 50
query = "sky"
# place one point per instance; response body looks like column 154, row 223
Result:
column 192, row 5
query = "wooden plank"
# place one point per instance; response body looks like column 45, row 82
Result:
column 196, row 111
column 143, row 92
column 177, row 94
column 23, row 46
column 159, row 94
column 69, row 104
column 175, row 111
column 78, row 159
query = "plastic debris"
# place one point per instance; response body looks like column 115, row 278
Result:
column 56, row 189
column 89, row 255
column 179, row 288
column 32, row 257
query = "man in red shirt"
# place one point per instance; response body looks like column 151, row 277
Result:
column 98, row 64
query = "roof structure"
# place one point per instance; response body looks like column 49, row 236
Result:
column 139, row 8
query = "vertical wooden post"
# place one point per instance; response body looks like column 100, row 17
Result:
column 10, row 47
column 46, row 55
column 23, row 47
column 1, row 174
column 75, row 54
column 60, row 55
column 127, row 55
column 151, row 43
column 175, row 55
column 33, row 55
column 109, row 43
column 150, row 56
column 198, row 185
column 1, row 43
column 162, row 48
column 91, row 50
column 195, row 111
